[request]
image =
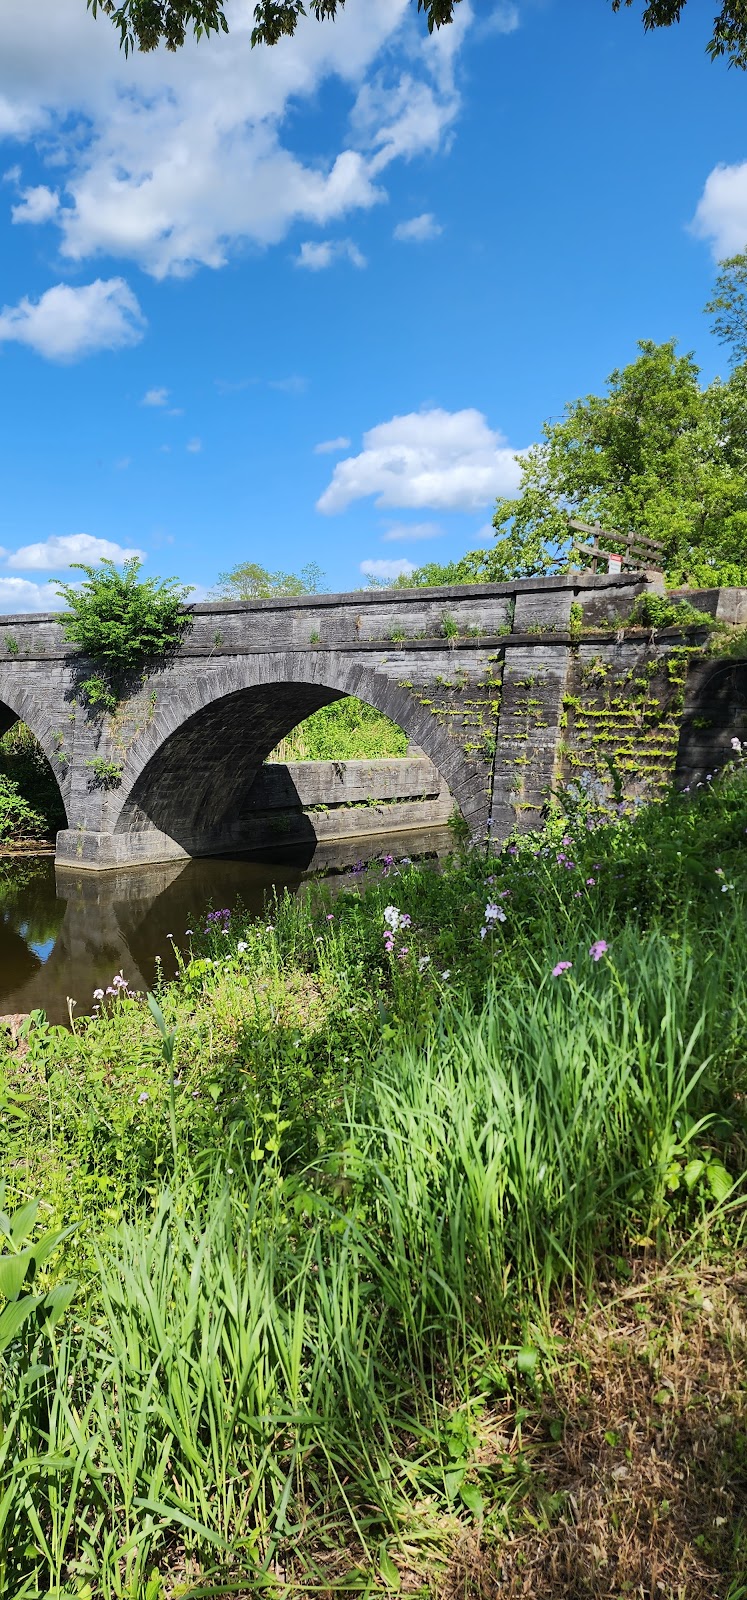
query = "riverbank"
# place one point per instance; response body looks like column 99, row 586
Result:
column 407, row 1236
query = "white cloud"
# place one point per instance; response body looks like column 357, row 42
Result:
column 155, row 397
column 18, row 594
column 504, row 18
column 401, row 120
column 448, row 460
column 412, row 530
column 387, row 569
column 58, row 552
column 316, row 255
column 292, row 385
column 39, row 204
column 721, row 215
column 329, row 447
column 418, row 229
column 67, row 323
column 194, row 447
column 173, row 160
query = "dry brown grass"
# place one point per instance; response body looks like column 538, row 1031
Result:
column 644, row 1493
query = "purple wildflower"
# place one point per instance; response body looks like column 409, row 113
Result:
column 598, row 949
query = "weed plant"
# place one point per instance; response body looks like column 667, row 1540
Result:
column 335, row 1191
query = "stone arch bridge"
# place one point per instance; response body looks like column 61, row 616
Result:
column 477, row 675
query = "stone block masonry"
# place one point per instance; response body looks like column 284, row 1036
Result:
column 506, row 689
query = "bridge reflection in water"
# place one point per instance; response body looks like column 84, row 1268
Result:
column 65, row 933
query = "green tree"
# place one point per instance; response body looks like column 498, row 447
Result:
column 657, row 455
column 144, row 24
column 470, row 568
column 729, row 306
column 249, row 581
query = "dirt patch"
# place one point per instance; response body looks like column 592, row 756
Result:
column 637, row 1464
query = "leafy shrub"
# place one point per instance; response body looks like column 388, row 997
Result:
column 122, row 622
column 23, row 762
column 18, row 819
column 106, row 774
column 657, row 611
column 96, row 693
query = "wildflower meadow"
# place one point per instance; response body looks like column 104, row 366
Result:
column 396, row 1244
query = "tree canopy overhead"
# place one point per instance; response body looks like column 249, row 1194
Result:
column 145, row 24
column 729, row 37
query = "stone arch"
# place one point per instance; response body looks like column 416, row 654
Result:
column 193, row 767
column 715, row 712
column 19, row 704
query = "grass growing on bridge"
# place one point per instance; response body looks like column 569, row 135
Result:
column 407, row 1239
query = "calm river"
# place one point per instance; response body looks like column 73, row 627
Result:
column 65, row 933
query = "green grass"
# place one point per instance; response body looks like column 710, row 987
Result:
column 337, row 1206
column 348, row 730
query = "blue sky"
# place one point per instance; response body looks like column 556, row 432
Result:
column 409, row 250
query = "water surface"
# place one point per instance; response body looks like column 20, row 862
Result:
column 64, row 933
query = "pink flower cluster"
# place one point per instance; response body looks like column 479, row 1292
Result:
column 598, row 949
column 493, row 914
column 396, row 921
column 118, row 986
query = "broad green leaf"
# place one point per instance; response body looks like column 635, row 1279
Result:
column 719, row 1182
column 157, row 1014
column 389, row 1571
column 472, row 1499
column 23, row 1221
column 45, row 1247
column 527, row 1358
column 13, row 1317
column 55, row 1304
column 693, row 1171
column 13, row 1271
